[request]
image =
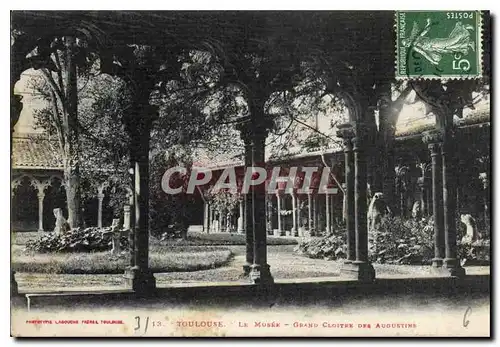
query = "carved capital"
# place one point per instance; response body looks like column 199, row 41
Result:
column 40, row 186
column 100, row 189
column 346, row 133
column 357, row 144
column 421, row 182
column 432, row 136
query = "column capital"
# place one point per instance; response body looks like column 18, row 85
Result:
column 435, row 136
column 101, row 187
column 420, row 182
column 41, row 195
column 346, row 132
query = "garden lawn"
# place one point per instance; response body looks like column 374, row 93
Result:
column 221, row 239
column 161, row 259
column 193, row 239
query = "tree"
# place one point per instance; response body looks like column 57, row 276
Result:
column 104, row 157
column 59, row 59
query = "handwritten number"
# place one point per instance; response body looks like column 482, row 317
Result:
column 138, row 322
column 467, row 313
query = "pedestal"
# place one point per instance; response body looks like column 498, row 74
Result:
column 141, row 282
column 358, row 270
column 261, row 274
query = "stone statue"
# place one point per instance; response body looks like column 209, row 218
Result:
column 471, row 233
column 115, row 236
column 62, row 225
column 378, row 208
column 416, row 211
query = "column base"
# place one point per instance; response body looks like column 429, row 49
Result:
column 141, row 281
column 359, row 270
column 261, row 274
column 241, row 231
column 294, row 232
column 454, row 268
column 246, row 269
column 437, row 262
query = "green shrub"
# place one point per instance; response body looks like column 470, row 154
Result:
column 398, row 241
column 76, row 240
column 332, row 246
column 475, row 253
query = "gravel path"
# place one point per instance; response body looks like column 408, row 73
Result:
column 284, row 262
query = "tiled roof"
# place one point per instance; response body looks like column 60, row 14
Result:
column 34, row 152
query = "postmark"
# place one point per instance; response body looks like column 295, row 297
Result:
column 438, row 44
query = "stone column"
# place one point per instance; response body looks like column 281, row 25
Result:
column 222, row 220
column 483, row 176
column 209, row 218
column 278, row 202
column 363, row 268
column 205, row 217
column 315, row 214
column 346, row 132
column 299, row 218
column 100, row 198
column 434, row 141
column 451, row 262
column 309, row 213
column 295, row 229
column 41, row 196
column 327, row 211
column 269, row 215
column 241, row 220
column 40, row 187
column 138, row 125
column 126, row 217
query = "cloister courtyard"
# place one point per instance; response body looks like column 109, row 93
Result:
column 223, row 257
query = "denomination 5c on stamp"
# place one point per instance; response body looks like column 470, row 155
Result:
column 438, row 44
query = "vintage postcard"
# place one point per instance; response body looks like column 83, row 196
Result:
column 250, row 173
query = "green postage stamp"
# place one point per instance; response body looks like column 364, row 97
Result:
column 438, row 44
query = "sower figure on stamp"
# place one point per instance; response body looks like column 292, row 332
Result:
column 433, row 49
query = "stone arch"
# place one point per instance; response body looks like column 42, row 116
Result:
column 24, row 210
